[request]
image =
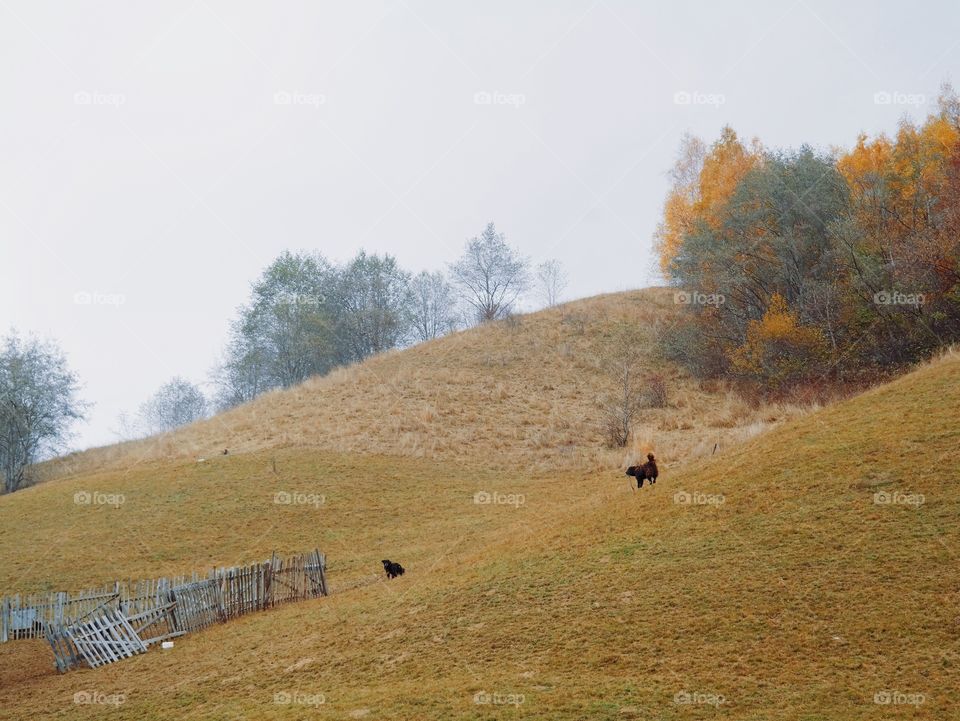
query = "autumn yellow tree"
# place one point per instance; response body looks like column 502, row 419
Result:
column 897, row 187
column 678, row 208
column 903, row 229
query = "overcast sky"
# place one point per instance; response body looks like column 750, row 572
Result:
column 154, row 157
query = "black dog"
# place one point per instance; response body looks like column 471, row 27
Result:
column 648, row 471
column 393, row 569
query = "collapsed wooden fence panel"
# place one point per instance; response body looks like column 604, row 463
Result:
column 156, row 624
column 104, row 638
column 103, row 625
column 65, row 653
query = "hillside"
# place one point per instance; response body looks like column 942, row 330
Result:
column 521, row 393
column 777, row 584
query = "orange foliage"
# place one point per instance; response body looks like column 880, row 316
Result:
column 865, row 167
column 895, row 228
column 904, row 177
column 677, row 222
column 723, row 169
column 778, row 348
column 701, row 189
column 903, row 195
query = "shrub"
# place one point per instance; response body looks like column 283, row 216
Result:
column 655, row 394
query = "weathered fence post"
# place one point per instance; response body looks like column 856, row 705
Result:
column 274, row 573
column 58, row 609
column 322, row 565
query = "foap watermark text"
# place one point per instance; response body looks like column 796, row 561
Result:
column 96, row 498
column 493, row 498
column 286, row 498
column 485, row 97
column 685, row 498
column 695, row 698
column 693, row 297
column 483, row 698
column 297, row 698
column 898, row 498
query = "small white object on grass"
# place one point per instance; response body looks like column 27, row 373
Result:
column 166, row 644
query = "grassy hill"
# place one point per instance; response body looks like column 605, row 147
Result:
column 767, row 582
column 521, row 393
column 510, row 406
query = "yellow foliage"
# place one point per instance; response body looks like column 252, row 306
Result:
column 677, row 222
column 703, row 197
column 866, row 165
column 777, row 346
column 904, row 177
column 723, row 169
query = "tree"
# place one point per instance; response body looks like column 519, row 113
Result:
column 288, row 326
column 490, row 275
column 678, row 208
column 306, row 317
column 432, row 306
column 284, row 334
column 900, row 235
column 175, row 404
column 621, row 361
column 552, row 281
column 38, row 403
column 801, row 264
column 371, row 306
column 774, row 236
column 702, row 184
column 242, row 373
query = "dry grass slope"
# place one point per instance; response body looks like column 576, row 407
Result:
column 521, row 393
column 799, row 596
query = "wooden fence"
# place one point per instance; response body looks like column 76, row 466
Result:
column 126, row 617
column 30, row 616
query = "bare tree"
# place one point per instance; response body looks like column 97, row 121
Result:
column 38, row 403
column 552, row 280
column 433, row 308
column 490, row 275
column 621, row 362
column 176, row 403
column 127, row 428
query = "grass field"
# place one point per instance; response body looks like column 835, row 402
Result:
column 767, row 582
